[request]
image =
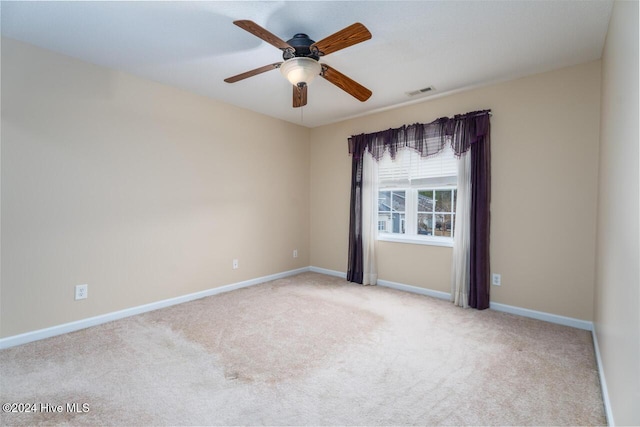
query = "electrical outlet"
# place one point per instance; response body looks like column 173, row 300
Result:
column 82, row 291
column 235, row 264
column 496, row 279
column 295, row 253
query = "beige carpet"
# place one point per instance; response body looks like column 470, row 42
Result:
column 310, row 349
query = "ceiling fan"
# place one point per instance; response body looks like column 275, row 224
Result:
column 301, row 59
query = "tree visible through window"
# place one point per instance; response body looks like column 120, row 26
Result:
column 436, row 212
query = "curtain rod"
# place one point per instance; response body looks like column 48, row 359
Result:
column 478, row 113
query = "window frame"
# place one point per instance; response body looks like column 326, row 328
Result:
column 411, row 218
column 410, row 178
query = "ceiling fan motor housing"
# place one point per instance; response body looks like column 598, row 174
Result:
column 301, row 43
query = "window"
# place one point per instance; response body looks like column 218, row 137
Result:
column 391, row 211
column 417, row 198
column 436, row 212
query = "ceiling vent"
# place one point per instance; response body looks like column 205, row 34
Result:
column 421, row 91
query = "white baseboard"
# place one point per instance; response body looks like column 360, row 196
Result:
column 415, row 289
column 541, row 315
column 98, row 320
column 603, row 382
column 328, row 272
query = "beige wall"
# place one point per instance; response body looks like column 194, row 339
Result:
column 617, row 303
column 140, row 190
column 544, row 180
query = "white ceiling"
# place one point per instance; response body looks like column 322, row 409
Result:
column 450, row 45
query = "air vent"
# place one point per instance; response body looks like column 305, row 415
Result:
column 420, row 91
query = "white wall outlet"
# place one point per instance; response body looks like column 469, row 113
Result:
column 235, row 264
column 496, row 279
column 82, row 291
column 295, row 253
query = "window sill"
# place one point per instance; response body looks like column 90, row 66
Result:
column 432, row 241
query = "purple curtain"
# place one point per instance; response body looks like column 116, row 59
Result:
column 355, row 269
column 470, row 131
column 479, row 282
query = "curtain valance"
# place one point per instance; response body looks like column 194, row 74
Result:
column 428, row 139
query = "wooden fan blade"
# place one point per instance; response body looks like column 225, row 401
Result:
column 346, row 37
column 265, row 35
column 299, row 96
column 252, row 72
column 348, row 85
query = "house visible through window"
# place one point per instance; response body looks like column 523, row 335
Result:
column 391, row 211
column 417, row 197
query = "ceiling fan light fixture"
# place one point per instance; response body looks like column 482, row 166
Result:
column 300, row 70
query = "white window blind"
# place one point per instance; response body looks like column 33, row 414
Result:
column 409, row 169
